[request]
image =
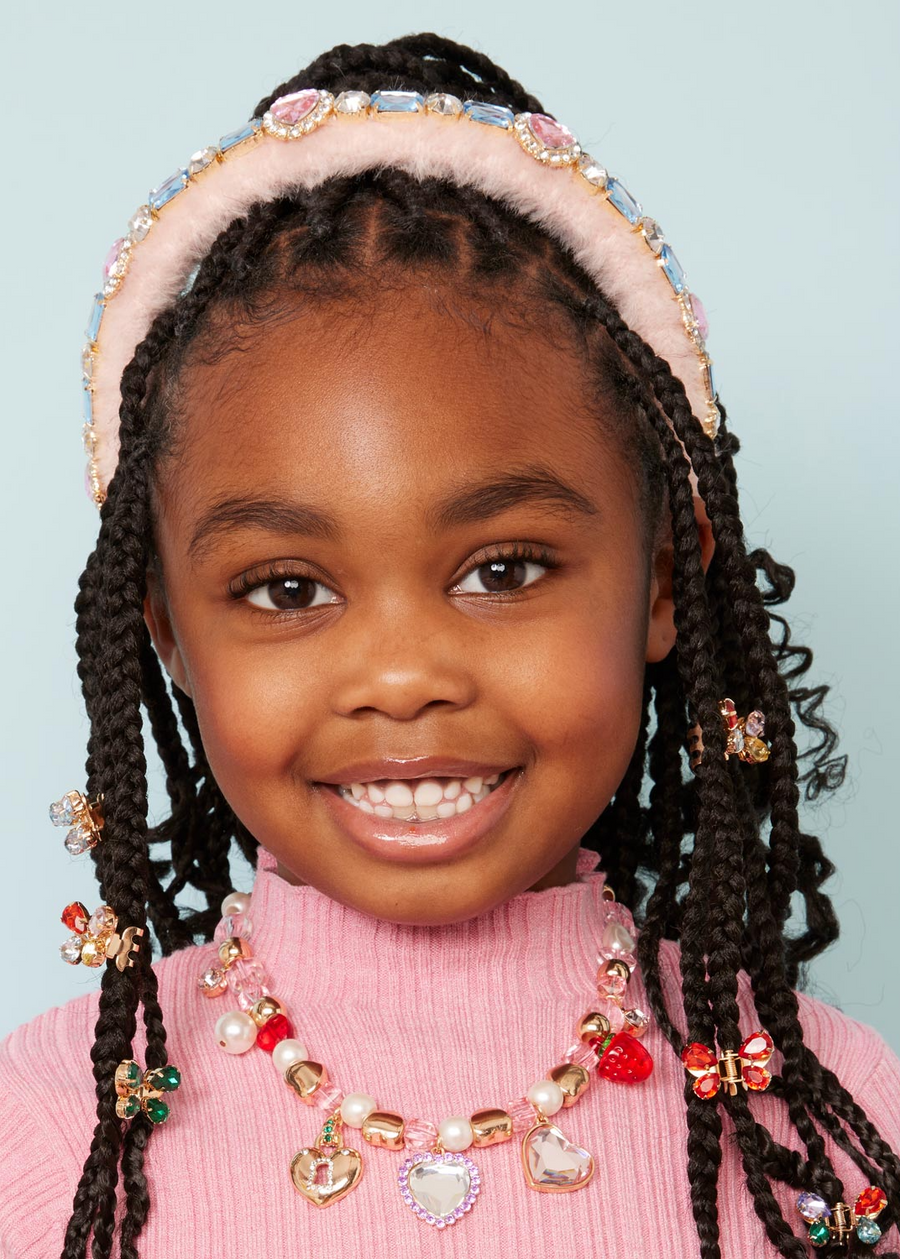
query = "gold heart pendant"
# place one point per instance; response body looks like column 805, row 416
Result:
column 326, row 1172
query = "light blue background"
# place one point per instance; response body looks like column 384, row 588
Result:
column 764, row 137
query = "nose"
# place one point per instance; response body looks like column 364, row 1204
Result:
column 400, row 664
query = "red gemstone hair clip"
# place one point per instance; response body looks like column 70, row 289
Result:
column 746, row 1067
column 836, row 1223
column 95, row 939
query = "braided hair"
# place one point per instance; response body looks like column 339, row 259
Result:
column 715, row 860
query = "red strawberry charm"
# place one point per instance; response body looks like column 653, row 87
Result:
column 622, row 1058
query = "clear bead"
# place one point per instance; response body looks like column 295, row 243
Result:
column 419, row 1134
column 327, row 1096
column 247, row 981
column 522, row 1113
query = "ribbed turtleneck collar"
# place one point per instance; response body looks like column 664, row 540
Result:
column 315, row 949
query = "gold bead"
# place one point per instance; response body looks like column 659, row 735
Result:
column 491, row 1126
column 385, row 1129
column 304, row 1078
column 92, row 954
column 616, row 967
column 593, row 1024
column 572, row 1079
column 264, row 1009
column 232, row 949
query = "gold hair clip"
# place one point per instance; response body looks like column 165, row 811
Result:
column 139, row 1090
column 747, row 1067
column 95, row 938
column 84, row 818
column 742, row 736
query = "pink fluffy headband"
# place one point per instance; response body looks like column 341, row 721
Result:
column 529, row 161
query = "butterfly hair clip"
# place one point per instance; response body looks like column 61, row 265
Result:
column 836, row 1223
column 742, row 736
column 746, row 1068
column 142, row 1090
column 95, row 939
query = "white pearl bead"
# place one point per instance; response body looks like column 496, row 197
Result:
column 236, row 1032
column 455, row 1133
column 356, row 1108
column 235, row 903
column 547, row 1094
column 287, row 1052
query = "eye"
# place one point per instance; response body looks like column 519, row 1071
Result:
column 505, row 573
column 290, row 594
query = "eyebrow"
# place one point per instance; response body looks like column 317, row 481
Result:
column 467, row 505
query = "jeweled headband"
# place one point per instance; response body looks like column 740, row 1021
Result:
column 528, row 160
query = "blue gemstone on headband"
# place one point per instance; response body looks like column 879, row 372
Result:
column 672, row 268
column 87, row 406
column 168, row 189
column 238, row 137
column 94, row 321
column 493, row 115
column 623, row 200
column 398, row 102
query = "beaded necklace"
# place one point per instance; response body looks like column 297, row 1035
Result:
column 437, row 1180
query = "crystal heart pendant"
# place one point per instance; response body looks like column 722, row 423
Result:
column 439, row 1187
column 552, row 1163
column 326, row 1172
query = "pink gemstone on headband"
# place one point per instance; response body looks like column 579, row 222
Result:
column 113, row 257
column 700, row 316
column 296, row 106
column 550, row 132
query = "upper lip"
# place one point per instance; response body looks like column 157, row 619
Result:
column 411, row 767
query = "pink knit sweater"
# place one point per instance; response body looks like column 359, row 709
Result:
column 432, row 1021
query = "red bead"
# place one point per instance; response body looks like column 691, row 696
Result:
column 756, row 1077
column 697, row 1057
column 871, row 1202
column 707, row 1085
column 272, row 1031
column 75, row 917
column 758, row 1047
column 626, row 1060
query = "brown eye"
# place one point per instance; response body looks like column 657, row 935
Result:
column 503, row 575
column 289, row 594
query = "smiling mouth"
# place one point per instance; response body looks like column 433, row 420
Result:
column 419, row 799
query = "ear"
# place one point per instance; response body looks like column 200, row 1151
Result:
column 661, row 625
column 159, row 623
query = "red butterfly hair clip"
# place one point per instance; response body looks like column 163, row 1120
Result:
column 746, row 1067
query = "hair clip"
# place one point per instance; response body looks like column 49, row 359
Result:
column 742, row 736
column 95, row 938
column 836, row 1223
column 139, row 1090
column 83, row 816
column 746, row 1067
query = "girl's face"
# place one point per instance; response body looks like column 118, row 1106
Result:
column 397, row 549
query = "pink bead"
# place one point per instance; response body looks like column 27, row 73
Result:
column 297, row 105
column 419, row 1134
column 611, row 985
column 700, row 315
column 327, row 1096
column 247, row 981
column 581, row 1054
column 549, row 132
column 522, row 1113
column 613, row 1012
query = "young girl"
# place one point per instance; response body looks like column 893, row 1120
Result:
column 415, row 486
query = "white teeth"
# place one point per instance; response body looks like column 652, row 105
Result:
column 421, row 799
column 397, row 794
column 428, row 792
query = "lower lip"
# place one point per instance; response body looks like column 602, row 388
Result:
column 418, row 843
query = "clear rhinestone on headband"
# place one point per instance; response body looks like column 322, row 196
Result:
column 293, row 116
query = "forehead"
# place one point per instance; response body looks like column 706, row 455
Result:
column 374, row 407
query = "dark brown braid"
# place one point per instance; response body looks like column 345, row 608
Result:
column 712, row 861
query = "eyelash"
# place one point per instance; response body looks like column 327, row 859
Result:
column 515, row 552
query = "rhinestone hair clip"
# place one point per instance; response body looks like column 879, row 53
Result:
column 529, row 160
